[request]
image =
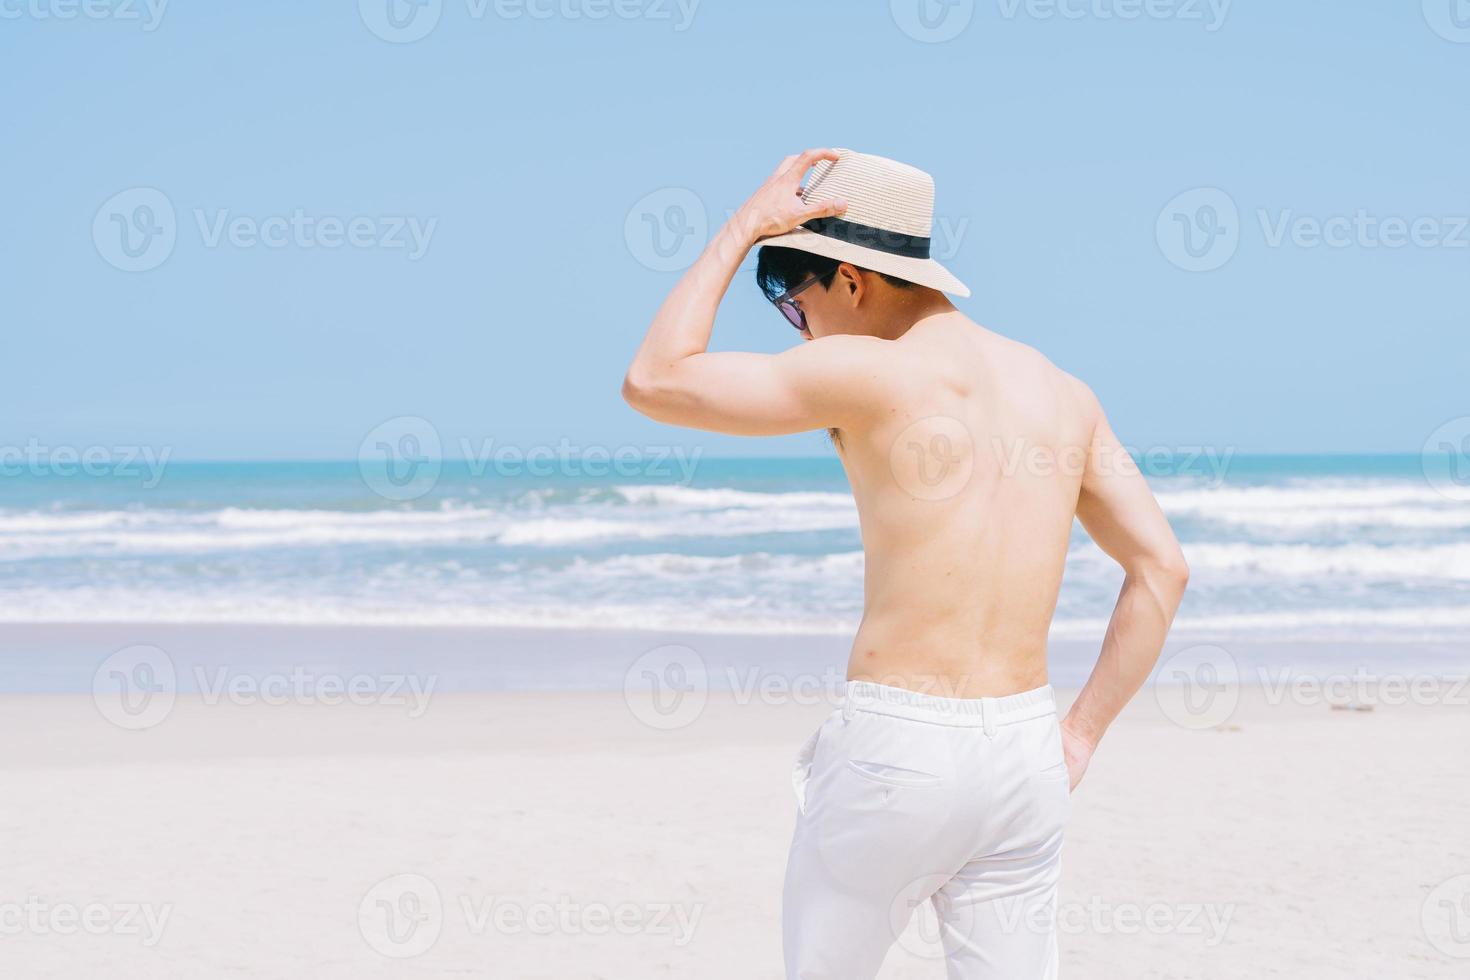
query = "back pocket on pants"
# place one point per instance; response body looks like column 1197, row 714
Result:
column 881, row 772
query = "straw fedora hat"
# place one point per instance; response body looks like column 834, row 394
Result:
column 887, row 225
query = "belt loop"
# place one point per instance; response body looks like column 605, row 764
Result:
column 849, row 705
column 987, row 716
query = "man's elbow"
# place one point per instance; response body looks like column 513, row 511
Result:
column 1169, row 572
column 1164, row 573
column 645, row 391
column 635, row 389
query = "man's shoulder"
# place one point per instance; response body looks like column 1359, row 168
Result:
column 874, row 356
column 1070, row 394
column 1044, row 367
column 1082, row 400
column 1079, row 389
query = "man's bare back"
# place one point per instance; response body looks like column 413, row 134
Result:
column 966, row 491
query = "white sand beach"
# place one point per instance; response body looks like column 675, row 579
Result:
column 559, row 835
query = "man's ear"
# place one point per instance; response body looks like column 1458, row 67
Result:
column 850, row 283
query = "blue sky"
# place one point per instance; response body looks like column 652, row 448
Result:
column 499, row 177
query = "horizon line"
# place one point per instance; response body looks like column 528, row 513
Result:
column 735, row 457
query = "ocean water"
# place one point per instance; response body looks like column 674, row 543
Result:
column 1304, row 547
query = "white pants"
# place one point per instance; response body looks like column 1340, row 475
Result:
column 906, row 798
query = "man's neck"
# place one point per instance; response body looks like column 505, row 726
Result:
column 911, row 306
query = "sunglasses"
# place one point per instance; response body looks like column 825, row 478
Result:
column 785, row 303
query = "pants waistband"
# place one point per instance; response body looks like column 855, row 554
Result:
column 986, row 713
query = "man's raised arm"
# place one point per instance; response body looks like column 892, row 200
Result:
column 674, row 378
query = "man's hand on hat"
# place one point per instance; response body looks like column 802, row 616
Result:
column 777, row 207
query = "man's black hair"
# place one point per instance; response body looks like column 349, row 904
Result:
column 778, row 269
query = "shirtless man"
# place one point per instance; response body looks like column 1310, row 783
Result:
column 945, row 775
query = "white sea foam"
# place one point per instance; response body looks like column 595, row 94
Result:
column 1309, row 518
column 1446, row 561
column 721, row 498
column 1303, row 494
column 31, row 534
column 226, row 531
column 1319, row 506
column 785, row 568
